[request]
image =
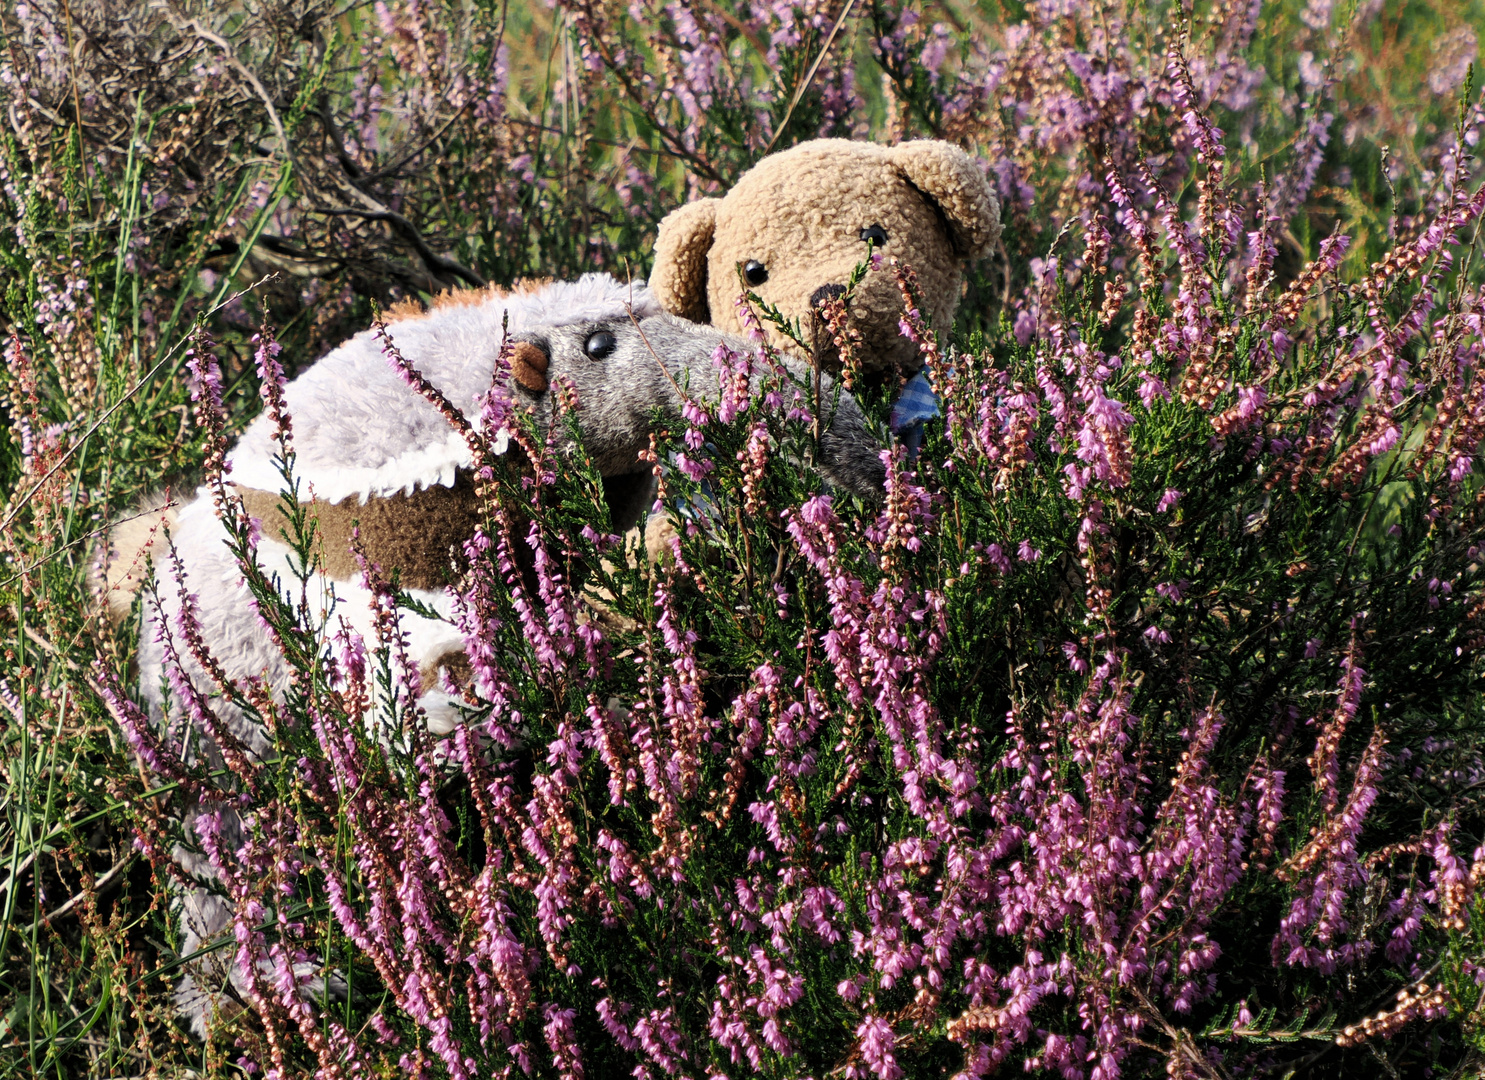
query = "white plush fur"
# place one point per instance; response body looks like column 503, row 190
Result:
column 359, row 430
column 242, row 645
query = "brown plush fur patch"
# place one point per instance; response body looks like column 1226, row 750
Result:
column 412, row 308
column 528, row 366
column 460, row 670
column 120, row 568
column 421, row 535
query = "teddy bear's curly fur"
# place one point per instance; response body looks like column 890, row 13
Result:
column 793, row 226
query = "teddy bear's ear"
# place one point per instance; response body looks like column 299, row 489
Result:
column 950, row 179
column 679, row 278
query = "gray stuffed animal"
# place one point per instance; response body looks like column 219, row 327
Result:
column 624, row 370
column 371, row 451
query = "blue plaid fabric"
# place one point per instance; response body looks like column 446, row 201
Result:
column 916, row 403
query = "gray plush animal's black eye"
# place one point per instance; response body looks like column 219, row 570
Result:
column 755, row 272
column 875, row 234
column 599, row 345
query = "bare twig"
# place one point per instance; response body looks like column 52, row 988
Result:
column 82, row 540
column 810, row 76
column 51, row 650
column 237, row 65
column 97, row 886
column 435, row 262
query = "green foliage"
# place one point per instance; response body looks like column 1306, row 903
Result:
column 175, row 204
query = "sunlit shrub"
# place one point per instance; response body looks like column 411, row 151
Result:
column 1136, row 731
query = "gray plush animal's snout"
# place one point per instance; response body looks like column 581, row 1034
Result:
column 824, row 293
column 622, row 372
column 528, row 365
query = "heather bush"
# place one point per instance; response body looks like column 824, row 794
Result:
column 1137, row 729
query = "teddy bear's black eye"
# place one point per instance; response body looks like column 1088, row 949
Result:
column 874, row 235
column 755, row 272
column 599, row 345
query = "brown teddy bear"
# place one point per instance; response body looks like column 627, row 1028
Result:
column 796, row 224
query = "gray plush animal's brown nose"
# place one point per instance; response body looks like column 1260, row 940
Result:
column 528, row 366
column 826, row 292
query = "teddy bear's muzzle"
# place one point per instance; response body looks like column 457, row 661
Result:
column 826, row 292
column 816, row 331
column 528, row 366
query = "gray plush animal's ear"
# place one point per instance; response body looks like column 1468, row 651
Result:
column 679, row 278
column 950, row 179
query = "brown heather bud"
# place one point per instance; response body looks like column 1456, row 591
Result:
column 1143, row 336
column 652, row 455
column 1419, row 1000
column 754, row 460
column 1197, row 385
column 845, row 337
column 1114, row 294
column 1096, row 253
column 1209, row 190
column 981, row 1018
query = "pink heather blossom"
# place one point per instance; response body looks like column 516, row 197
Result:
column 677, row 795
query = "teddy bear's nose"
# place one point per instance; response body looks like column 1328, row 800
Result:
column 528, row 366
column 826, row 292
